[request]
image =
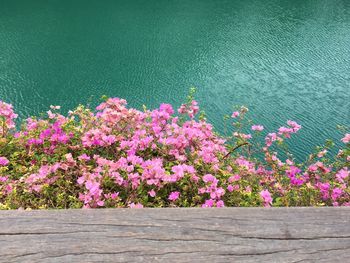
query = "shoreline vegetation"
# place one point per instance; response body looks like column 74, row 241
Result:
column 117, row 156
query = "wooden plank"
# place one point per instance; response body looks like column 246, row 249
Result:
column 176, row 235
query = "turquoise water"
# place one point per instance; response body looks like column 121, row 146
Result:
column 282, row 59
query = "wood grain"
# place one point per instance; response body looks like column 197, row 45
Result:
column 176, row 235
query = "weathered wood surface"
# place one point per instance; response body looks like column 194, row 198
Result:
column 176, row 235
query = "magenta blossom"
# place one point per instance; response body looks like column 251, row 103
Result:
column 174, row 196
column 118, row 156
column 266, row 196
column 336, row 193
column 3, row 179
column 342, row 174
column 208, row 203
column 4, row 161
column 220, row 203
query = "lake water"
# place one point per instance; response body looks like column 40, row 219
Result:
column 282, row 59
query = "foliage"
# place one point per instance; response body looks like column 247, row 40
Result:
column 122, row 157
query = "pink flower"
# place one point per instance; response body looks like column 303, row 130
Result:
column 112, row 196
column 324, row 189
column 285, row 131
column 208, row 203
column 220, row 203
column 8, row 189
column 342, row 174
column 216, row 193
column 100, row 203
column 152, row 193
column 115, row 195
column 289, row 162
column 346, row 138
column 294, row 125
column 3, row 179
column 266, row 196
column 336, row 193
column 51, row 115
column 4, row 161
column 55, row 107
column 6, row 113
column 292, row 173
column 208, row 178
column 182, row 109
column 246, row 136
column 234, row 178
column 166, row 108
column 123, row 150
column 230, row 188
column 174, row 196
column 235, row 114
column 322, row 153
column 242, row 135
column 270, row 138
column 248, row 189
column 257, row 127
column 312, row 168
column 137, row 205
column 84, row 157
column 191, row 109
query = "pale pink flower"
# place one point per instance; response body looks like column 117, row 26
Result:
column 248, row 189
column 7, row 113
column 257, row 127
column 137, row 205
column 289, row 162
column 152, row 193
column 55, row 107
column 322, row 153
column 346, row 138
column 51, row 115
column 246, row 136
column 295, row 126
column 242, row 135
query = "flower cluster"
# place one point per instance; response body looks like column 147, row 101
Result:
column 123, row 157
column 7, row 117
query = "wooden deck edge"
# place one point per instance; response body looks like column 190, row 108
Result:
column 303, row 234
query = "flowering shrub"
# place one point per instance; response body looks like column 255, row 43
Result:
column 122, row 157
